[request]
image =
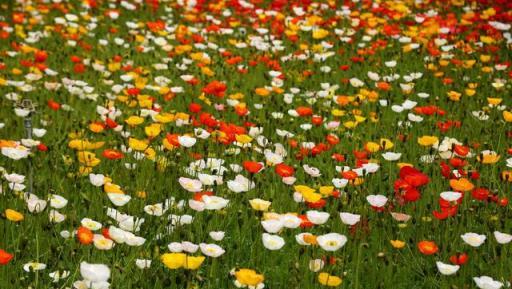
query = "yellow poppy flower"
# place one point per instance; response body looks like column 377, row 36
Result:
column 173, row 260
column 136, row 144
column 329, row 280
column 249, row 277
column 134, row 120
column 111, row 188
column 152, row 130
column 193, row 262
column 259, row 204
column 427, row 140
column 13, row 215
column 326, row 190
column 88, row 159
column 243, row 138
column 507, row 116
column 397, row 244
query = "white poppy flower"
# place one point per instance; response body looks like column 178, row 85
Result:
column 240, row 184
column 102, row 243
column 317, row 217
column 391, row 156
column 97, row 180
column 189, row 247
column 58, row 275
column 502, row 238
column 15, row 178
column 56, row 217
column 349, row 219
column 473, row 239
column 451, row 196
column 486, row 282
column 377, row 200
column 36, row 205
column 58, row 202
column 211, row 250
column 119, row 199
column 16, row 153
column 272, row 242
column 94, row 272
column 143, row 263
column 186, row 141
column 312, row 171
column 272, row 226
column 217, row 235
column 90, row 224
column 191, row 185
column 34, row 266
column 331, row 241
column 214, row 202
column 290, row 221
column 447, row 269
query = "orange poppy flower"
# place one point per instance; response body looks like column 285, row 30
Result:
column 112, row 154
column 84, row 235
column 428, row 247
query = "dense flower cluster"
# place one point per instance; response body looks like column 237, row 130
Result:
column 214, row 144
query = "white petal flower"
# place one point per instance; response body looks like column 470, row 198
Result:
column 211, row 250
column 143, row 263
column 377, row 200
column 191, row 185
column 94, row 272
column 502, row 238
column 473, row 239
column 317, row 217
column 349, row 219
column 486, row 282
column 217, row 235
column 119, row 199
column 331, row 241
column 447, row 269
column 272, row 242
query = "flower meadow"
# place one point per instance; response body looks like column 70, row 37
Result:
column 255, row 144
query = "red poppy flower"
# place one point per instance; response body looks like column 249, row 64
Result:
column 53, row 105
column 427, row 247
column 459, row 259
column 461, row 150
column 194, row 107
column 332, row 139
column 105, row 232
column 252, row 167
column 284, row 170
column 5, row 257
column 112, row 154
column 304, row 111
column 349, row 175
column 413, row 176
column 338, row 157
column 411, row 195
column 199, row 195
column 480, row 194
column 173, row 139
column 306, row 223
column 40, row 56
column 317, row 120
column 42, row 147
column 317, row 205
column 133, row 91
column 215, row 88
